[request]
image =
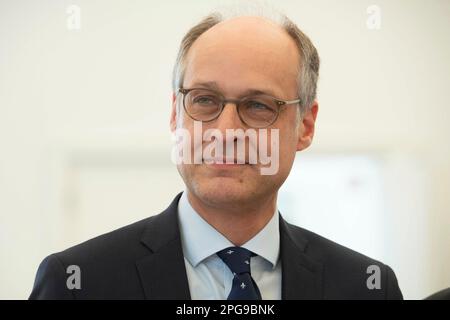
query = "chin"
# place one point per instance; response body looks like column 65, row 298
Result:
column 223, row 190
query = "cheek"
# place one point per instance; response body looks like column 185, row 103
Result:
column 288, row 146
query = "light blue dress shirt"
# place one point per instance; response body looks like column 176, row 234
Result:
column 208, row 276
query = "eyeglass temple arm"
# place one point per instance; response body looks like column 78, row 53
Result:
column 281, row 102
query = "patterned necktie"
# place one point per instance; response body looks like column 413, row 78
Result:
column 238, row 260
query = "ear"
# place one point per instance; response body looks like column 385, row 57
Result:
column 173, row 114
column 306, row 127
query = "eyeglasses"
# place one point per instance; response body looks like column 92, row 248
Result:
column 256, row 111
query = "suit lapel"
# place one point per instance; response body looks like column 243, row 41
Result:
column 162, row 272
column 301, row 275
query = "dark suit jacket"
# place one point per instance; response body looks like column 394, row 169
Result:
column 145, row 261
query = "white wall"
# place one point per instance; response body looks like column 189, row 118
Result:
column 84, row 121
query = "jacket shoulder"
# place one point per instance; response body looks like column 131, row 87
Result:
column 105, row 263
column 346, row 272
column 116, row 243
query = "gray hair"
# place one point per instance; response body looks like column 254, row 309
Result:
column 308, row 72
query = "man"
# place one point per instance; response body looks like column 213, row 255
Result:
column 223, row 238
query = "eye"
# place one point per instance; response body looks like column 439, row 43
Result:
column 257, row 106
column 204, row 100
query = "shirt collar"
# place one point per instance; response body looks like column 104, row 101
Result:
column 200, row 240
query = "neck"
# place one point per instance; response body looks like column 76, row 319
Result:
column 237, row 223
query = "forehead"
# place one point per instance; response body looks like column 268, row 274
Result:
column 242, row 53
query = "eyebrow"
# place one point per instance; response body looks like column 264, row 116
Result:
column 215, row 86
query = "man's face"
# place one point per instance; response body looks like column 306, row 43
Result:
column 233, row 57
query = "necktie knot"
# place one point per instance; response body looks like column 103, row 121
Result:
column 237, row 259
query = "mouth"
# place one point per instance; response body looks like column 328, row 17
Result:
column 223, row 162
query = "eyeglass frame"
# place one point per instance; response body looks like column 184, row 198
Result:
column 237, row 103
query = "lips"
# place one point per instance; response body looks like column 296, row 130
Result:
column 223, row 161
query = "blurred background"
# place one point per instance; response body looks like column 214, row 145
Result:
column 85, row 141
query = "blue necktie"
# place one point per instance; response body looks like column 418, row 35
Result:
column 238, row 260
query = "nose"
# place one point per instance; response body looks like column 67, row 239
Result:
column 229, row 118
